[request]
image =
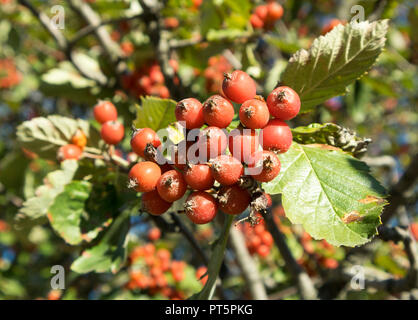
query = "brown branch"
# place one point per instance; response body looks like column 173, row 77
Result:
column 63, row 43
column 247, row 265
column 305, row 285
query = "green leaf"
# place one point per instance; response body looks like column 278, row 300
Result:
column 333, row 135
column 37, row 206
column 155, row 113
column 110, row 253
column 334, row 61
column 66, row 211
column 330, row 193
column 44, row 136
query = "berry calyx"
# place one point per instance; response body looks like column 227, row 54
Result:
column 283, row 103
column 141, row 138
column 276, row 136
column 254, row 114
column 144, row 176
column 218, row 112
column 213, row 141
column 233, row 199
column 112, row 132
column 154, row 204
column 199, row 176
column 190, row 111
column 69, row 151
column 201, row 207
column 171, row 186
column 226, row 169
column 105, row 111
column 267, row 164
column 238, row 86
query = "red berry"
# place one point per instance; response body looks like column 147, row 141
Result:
column 238, row 86
column 201, row 207
column 330, row 25
column 105, row 111
column 266, row 166
column 276, row 136
column 254, row 114
column 154, row 204
column 261, row 11
column 154, row 234
column 179, row 154
column 218, row 111
column 190, row 111
column 266, row 238
column 213, row 141
column 141, row 138
column 263, row 250
column 226, row 169
column 171, row 186
column 274, row 11
column 414, row 230
column 233, row 199
column 199, row 274
column 254, row 242
column 256, row 22
column 199, row 177
column 144, row 176
column 283, row 103
column 69, row 151
column 112, row 132
column 243, row 143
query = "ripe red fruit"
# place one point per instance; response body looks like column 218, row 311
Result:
column 212, row 140
column 330, row 25
column 105, row 111
column 171, row 186
column 201, row 207
column 266, row 238
column 261, row 11
column 112, row 132
column 199, row 274
column 414, row 230
column 276, row 136
column 233, row 199
column 254, row 114
column 144, row 176
column 243, row 143
column 190, row 111
column 218, row 112
column 69, row 151
column 267, row 164
column 199, row 176
column 238, row 86
column 274, row 11
column 263, row 250
column 141, row 138
column 154, row 204
column 226, row 169
column 256, row 22
column 154, row 234
column 283, row 103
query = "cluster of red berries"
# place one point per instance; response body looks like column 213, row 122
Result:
column 257, row 239
column 214, row 73
column 9, row 76
column 322, row 250
column 162, row 185
column 153, row 268
column 265, row 15
column 148, row 80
